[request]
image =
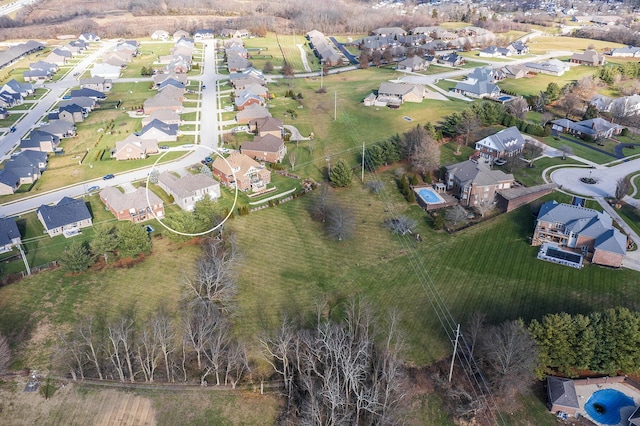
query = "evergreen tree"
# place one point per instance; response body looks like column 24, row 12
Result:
column 553, row 91
column 76, row 257
column 591, row 112
column 105, row 240
column 133, row 240
column 341, row 174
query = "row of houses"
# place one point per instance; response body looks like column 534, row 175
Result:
column 180, row 58
column 116, row 59
column 236, row 55
column 25, row 168
column 325, row 51
column 15, row 53
column 202, row 34
column 516, row 48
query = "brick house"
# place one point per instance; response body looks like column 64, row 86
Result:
column 132, row 206
column 473, row 182
column 267, row 148
column 580, row 228
column 249, row 174
column 188, row 190
column 506, row 143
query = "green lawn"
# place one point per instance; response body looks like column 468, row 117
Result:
column 542, row 45
column 533, row 86
column 533, row 176
column 631, row 216
column 579, row 150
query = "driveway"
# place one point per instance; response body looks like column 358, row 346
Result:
column 606, row 178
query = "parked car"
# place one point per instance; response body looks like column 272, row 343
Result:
column 208, row 160
column 500, row 162
column 107, row 177
column 93, row 188
column 204, row 86
column 163, row 147
column 12, row 129
column 66, row 97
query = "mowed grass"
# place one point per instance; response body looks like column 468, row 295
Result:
column 490, row 267
column 579, row 149
column 534, row 85
column 542, row 45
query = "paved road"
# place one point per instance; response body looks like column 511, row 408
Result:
column 344, row 51
column 16, row 5
column 606, row 178
column 11, row 140
column 209, row 119
column 303, row 57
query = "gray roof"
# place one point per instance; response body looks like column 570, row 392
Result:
column 587, row 222
column 15, row 52
column 253, row 111
column 562, row 392
column 89, row 93
column 9, row 178
column 400, row 89
column 68, row 210
column 590, row 127
column 507, row 140
column 168, row 129
column 188, row 185
column 470, row 172
column 634, row 418
column 8, row 231
column 26, row 164
column 478, row 88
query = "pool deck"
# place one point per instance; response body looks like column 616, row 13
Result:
column 584, row 392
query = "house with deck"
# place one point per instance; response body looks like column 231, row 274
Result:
column 67, row 217
column 474, row 183
column 188, row 190
column 506, row 143
column 596, row 128
column 132, row 206
column 267, row 148
column 242, row 171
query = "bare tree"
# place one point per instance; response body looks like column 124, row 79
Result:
column 236, row 364
column 474, row 329
column 341, row 222
column 68, row 355
column 468, row 124
column 120, row 334
column 425, row 156
column 518, row 107
column 375, row 186
column 510, row 353
column 571, row 104
column 402, row 225
column 566, row 151
column 165, row 335
column 215, row 278
column 292, row 160
column 86, row 336
column 148, row 350
column 622, row 188
column 455, row 214
column 484, row 207
column 321, row 204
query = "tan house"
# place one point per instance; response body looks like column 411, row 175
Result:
column 162, row 101
column 589, row 57
column 188, row 190
column 135, row 148
column 474, row 183
column 132, row 206
column 251, row 113
column 266, row 126
column 164, row 115
column 585, row 230
column 401, row 91
column 245, row 173
column 267, row 148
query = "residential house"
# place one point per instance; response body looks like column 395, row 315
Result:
column 236, row 63
column 250, row 113
column 27, row 166
column 506, row 143
column 402, row 92
column 89, row 37
column 171, row 91
column 551, row 67
column 256, row 89
column 158, row 79
column 493, row 51
column 583, row 229
column 414, row 63
column 178, row 65
column 245, row 82
column 171, row 82
column 14, row 53
column 267, row 148
column 267, row 126
column 84, row 102
column 73, row 113
column 9, row 182
column 117, row 59
column 105, row 71
column 242, row 171
column 66, row 218
column 160, row 35
column 21, row 89
column 9, row 234
column 477, row 89
column 40, row 140
column 231, row 33
column 188, row 190
column 44, row 66
column 620, row 107
column 254, row 76
column 134, row 147
column 99, row 84
column 162, row 101
column 159, row 131
column 474, row 183
column 165, row 115
column 132, row 206
column 589, row 57
column 519, row 47
column 452, row 60
column 86, row 92
column 58, row 56
column 596, row 128
column 246, row 98
column 36, row 75
column 389, row 31
column 203, row 34
column 514, row 71
column 59, row 128
column 4, row 113
column 180, row 34
column 326, row 52
column 626, row 52
column 562, row 396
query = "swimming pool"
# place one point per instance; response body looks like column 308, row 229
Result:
column 429, row 196
column 604, row 406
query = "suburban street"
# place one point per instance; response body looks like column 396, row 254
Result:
column 208, row 126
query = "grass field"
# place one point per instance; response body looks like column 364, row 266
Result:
column 580, row 150
column 282, row 47
column 542, row 45
column 533, row 85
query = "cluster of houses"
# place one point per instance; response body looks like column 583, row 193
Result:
column 624, row 106
column 180, row 59
column 323, row 50
column 429, row 39
column 516, row 48
column 116, row 59
column 236, row 55
column 13, row 93
column 14, row 53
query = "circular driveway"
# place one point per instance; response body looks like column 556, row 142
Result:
column 606, row 178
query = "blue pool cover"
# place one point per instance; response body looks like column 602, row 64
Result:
column 604, row 406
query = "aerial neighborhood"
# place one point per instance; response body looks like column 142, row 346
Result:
column 331, row 214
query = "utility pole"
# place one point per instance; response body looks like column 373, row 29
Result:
column 455, row 349
column 24, row 259
column 362, row 177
